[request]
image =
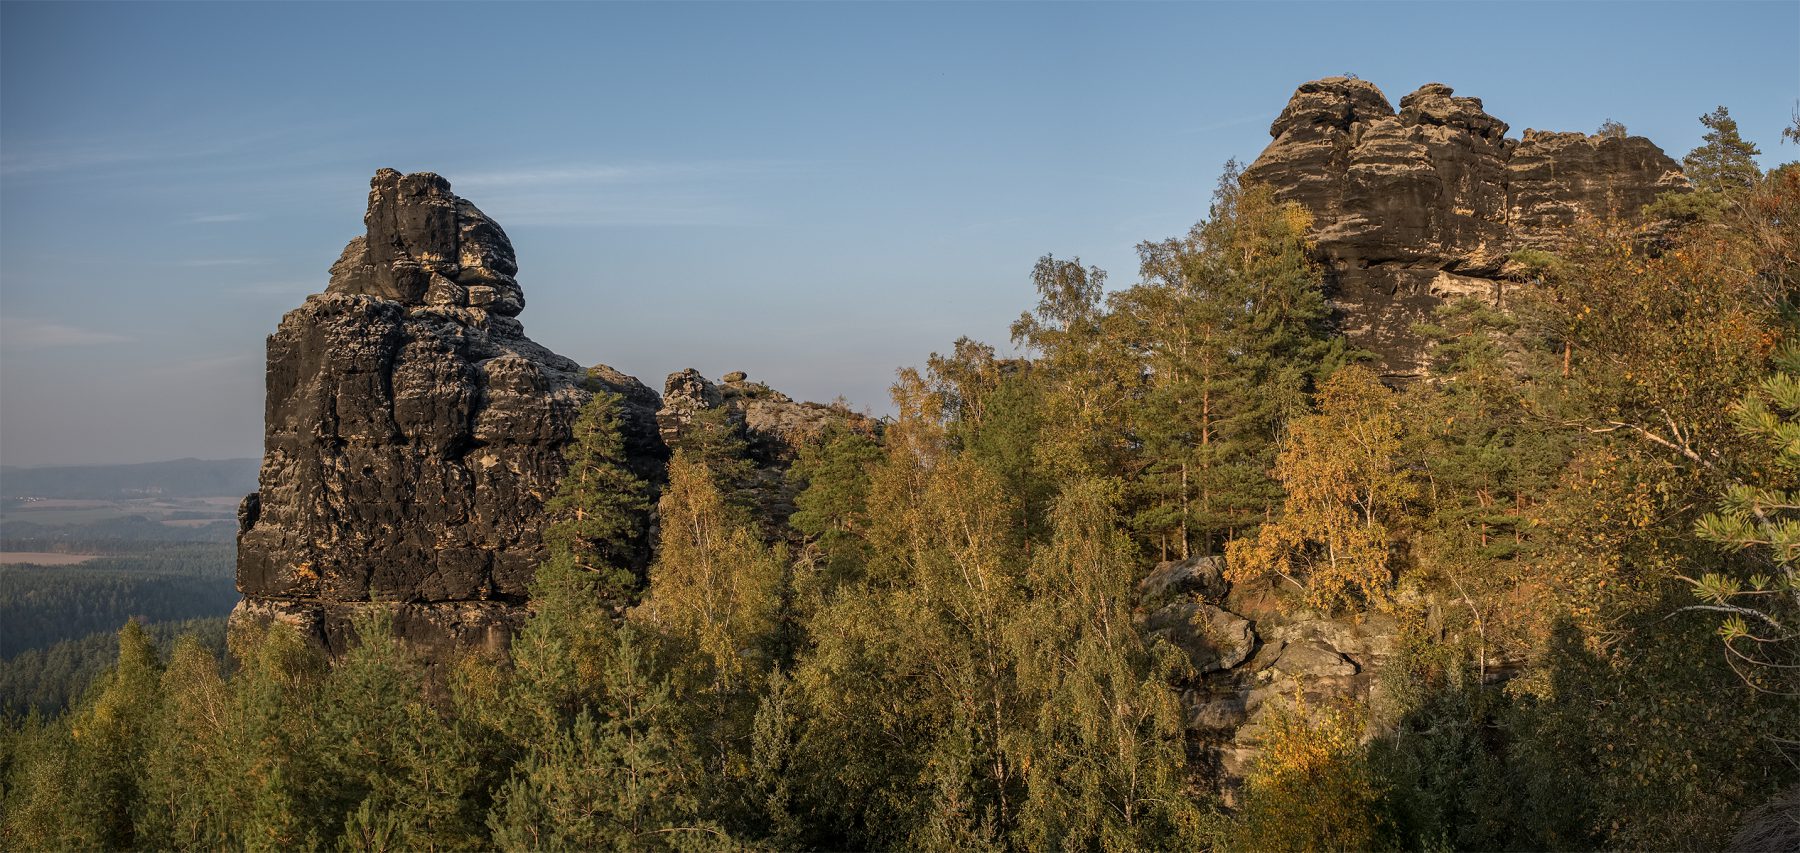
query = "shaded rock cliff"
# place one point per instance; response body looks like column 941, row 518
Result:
column 1414, row 207
column 413, row 433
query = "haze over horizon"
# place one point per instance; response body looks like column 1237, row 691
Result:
column 813, row 194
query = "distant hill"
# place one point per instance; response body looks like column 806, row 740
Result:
column 180, row 478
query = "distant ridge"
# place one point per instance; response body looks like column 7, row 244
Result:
column 180, row 478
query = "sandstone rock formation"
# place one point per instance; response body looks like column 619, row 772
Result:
column 1423, row 205
column 413, row 433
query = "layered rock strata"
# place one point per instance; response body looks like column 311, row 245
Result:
column 1415, row 207
column 414, row 432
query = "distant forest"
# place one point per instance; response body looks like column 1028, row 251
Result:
column 178, row 478
column 58, row 622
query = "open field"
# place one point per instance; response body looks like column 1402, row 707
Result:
column 178, row 512
column 43, row 558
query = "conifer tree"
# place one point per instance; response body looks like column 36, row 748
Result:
column 1229, row 331
column 831, row 507
column 612, row 778
column 599, row 515
column 403, row 770
column 1725, row 161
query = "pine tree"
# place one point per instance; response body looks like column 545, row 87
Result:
column 402, row 769
column 1229, row 330
column 611, row 777
column 599, row 518
column 1725, row 162
column 831, row 507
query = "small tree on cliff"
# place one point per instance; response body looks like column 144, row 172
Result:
column 1725, row 163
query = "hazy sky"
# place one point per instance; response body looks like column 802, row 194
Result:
column 815, row 194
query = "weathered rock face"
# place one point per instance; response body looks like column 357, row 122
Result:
column 413, row 433
column 1423, row 205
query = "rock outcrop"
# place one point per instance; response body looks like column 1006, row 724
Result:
column 413, row 433
column 1414, row 207
column 1250, row 655
column 773, row 427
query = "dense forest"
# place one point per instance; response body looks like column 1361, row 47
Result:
column 50, row 678
column 41, row 605
column 1584, row 526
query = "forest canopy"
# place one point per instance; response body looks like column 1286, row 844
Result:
column 1575, row 542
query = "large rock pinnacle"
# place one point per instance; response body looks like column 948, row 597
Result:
column 1423, row 205
column 413, row 433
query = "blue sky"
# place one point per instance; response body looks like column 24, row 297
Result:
column 816, row 194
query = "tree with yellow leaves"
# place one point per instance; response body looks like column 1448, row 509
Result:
column 1311, row 788
column 1345, row 491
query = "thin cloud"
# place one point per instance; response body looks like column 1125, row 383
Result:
column 223, row 262
column 278, row 288
column 22, row 334
column 702, row 193
column 229, row 363
column 189, row 145
column 210, row 218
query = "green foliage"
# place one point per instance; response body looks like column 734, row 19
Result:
column 1104, row 762
column 831, row 508
column 1722, row 169
column 1725, row 161
column 599, row 515
column 610, row 777
column 942, row 647
column 1346, row 497
column 1311, row 790
column 1759, row 517
column 1228, row 333
column 51, row 679
column 44, row 605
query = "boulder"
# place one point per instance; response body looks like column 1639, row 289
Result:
column 1212, row 638
column 1197, row 576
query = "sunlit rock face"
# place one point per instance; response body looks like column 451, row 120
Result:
column 1414, row 207
column 414, row 432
